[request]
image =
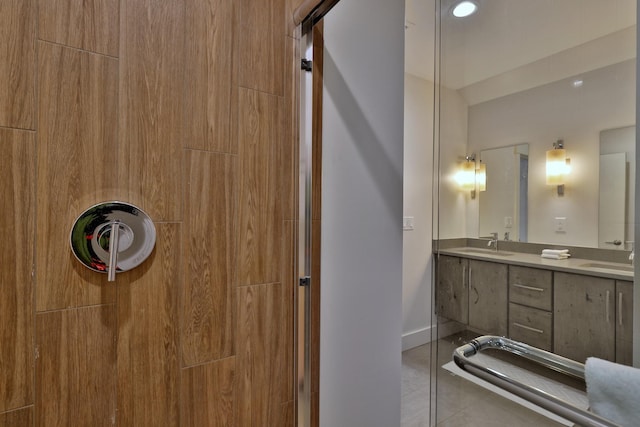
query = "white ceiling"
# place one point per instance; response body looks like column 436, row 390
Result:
column 520, row 42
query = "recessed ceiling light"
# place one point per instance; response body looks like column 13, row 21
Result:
column 577, row 83
column 464, row 8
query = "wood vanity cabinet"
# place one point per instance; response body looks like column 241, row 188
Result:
column 473, row 292
column 530, row 302
column 452, row 295
column 584, row 316
column 624, row 322
column 488, row 297
column 573, row 315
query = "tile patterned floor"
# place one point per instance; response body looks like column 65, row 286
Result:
column 460, row 403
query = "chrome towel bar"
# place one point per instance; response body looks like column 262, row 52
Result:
column 462, row 356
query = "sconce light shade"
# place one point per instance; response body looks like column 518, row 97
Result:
column 481, row 177
column 557, row 168
column 466, row 176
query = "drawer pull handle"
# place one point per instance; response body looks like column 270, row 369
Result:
column 620, row 308
column 528, row 288
column 608, row 293
column 528, row 328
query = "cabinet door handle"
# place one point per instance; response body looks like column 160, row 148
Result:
column 607, row 305
column 528, row 288
column 528, row 328
column 464, row 276
column 469, row 277
column 620, row 308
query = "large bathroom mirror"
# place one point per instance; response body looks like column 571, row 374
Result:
column 575, row 85
column 503, row 204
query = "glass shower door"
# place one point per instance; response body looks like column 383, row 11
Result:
column 517, row 79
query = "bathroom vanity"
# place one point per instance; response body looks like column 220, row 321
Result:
column 575, row 307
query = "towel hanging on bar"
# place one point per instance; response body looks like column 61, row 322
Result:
column 613, row 391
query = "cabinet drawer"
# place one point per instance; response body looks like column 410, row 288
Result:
column 531, row 287
column 530, row 325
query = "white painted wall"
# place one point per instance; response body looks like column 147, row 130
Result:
column 361, row 313
column 418, row 183
column 539, row 117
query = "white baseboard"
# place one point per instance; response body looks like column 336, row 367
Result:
column 417, row 338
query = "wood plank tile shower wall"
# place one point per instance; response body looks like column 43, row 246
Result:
column 187, row 108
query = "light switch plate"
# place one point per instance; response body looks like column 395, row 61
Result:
column 407, row 223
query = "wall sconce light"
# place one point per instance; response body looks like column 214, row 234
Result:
column 469, row 177
column 481, row 176
column 557, row 166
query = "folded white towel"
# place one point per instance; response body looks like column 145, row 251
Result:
column 613, row 391
column 555, row 251
column 556, row 256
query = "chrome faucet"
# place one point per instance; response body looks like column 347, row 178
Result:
column 631, row 255
column 494, row 240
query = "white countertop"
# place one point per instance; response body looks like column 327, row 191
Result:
column 610, row 270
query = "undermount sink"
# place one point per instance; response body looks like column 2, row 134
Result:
column 603, row 266
column 485, row 252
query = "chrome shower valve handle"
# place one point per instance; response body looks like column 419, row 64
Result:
column 114, row 246
column 111, row 237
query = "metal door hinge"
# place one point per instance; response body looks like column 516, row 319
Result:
column 305, row 281
column 307, row 64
